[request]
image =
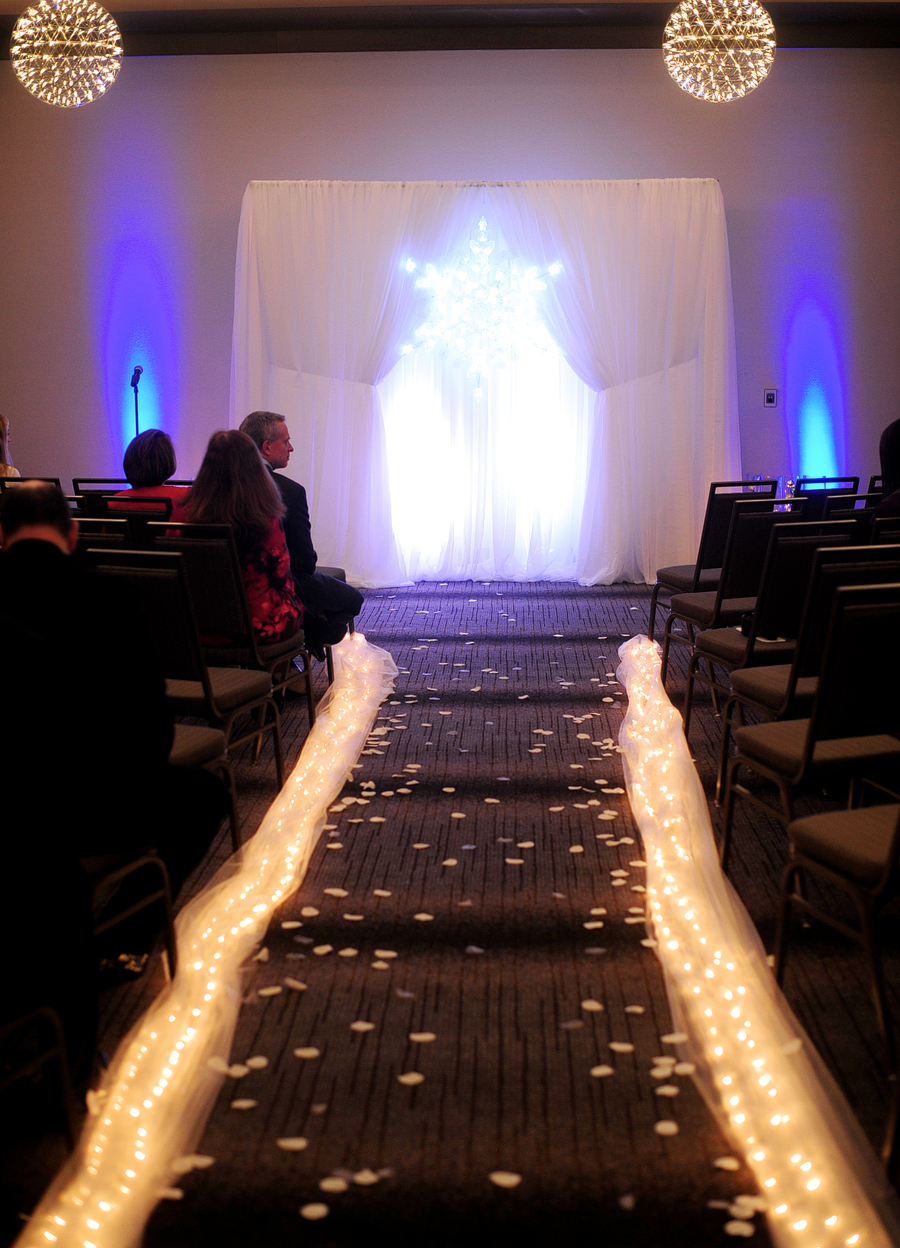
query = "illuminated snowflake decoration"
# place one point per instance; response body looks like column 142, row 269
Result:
column 66, row 52
column 482, row 313
column 719, row 49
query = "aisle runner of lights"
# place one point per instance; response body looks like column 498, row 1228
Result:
column 755, row 1067
column 154, row 1102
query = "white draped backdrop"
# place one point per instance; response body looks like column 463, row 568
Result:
column 591, row 465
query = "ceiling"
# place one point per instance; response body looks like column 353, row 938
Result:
column 234, row 27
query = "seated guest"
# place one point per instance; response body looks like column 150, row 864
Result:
column 6, row 464
column 889, row 454
column 85, row 735
column 233, row 487
column 330, row 604
column 149, row 462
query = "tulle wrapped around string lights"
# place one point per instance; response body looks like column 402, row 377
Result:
column 150, row 1111
column 820, row 1184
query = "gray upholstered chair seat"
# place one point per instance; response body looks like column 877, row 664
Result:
column 855, row 843
column 729, row 646
column 680, row 577
column 779, row 748
column 231, row 687
column 195, row 745
column 701, row 608
column 767, row 687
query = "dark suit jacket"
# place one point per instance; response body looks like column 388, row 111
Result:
column 295, row 523
column 86, row 727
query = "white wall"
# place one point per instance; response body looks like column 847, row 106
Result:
column 118, row 220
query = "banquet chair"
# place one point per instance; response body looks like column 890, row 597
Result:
column 886, row 529
column 704, row 573
column 786, row 691
column 107, row 871
column 9, row 483
column 770, row 638
column 857, row 851
column 139, row 510
column 197, row 746
column 223, row 614
column 104, row 534
column 849, row 734
column 220, row 695
column 29, row 1043
column 876, row 484
column 818, row 490
column 742, row 567
column 102, row 485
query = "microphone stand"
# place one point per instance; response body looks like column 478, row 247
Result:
column 135, row 381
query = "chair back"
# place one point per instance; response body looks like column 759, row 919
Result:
column 858, row 693
column 719, row 508
column 819, row 489
column 102, row 485
column 214, row 574
column 97, row 505
column 103, row 534
column 748, row 543
column 834, row 568
column 8, row 483
column 160, row 581
column 886, row 529
column 786, row 575
column 876, row 484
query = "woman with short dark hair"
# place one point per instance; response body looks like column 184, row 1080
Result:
column 149, row 462
column 233, row 486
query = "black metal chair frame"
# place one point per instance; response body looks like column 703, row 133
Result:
column 180, row 649
column 833, row 566
column 855, row 607
column 742, row 567
column 106, row 871
column 780, row 602
column 7, row 483
column 713, row 540
column 53, row 1051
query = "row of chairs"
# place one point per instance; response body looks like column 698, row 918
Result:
column 800, row 630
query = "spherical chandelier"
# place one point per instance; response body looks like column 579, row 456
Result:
column 66, row 52
column 719, row 49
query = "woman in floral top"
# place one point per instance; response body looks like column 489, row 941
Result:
column 234, row 487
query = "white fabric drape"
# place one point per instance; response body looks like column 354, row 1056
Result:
column 641, row 312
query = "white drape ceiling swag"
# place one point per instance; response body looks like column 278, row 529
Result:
column 641, row 312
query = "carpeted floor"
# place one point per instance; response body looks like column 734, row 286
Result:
column 472, row 916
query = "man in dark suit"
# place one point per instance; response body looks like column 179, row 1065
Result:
column 330, row 604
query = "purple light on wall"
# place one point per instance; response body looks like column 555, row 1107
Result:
column 138, row 327
column 814, row 392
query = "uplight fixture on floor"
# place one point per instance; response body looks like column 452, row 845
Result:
column 66, row 52
column 719, row 49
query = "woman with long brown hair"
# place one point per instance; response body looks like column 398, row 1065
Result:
column 234, row 487
column 6, row 464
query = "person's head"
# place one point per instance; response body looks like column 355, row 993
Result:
column 37, row 509
column 233, row 487
column 269, row 432
column 149, row 459
column 4, row 441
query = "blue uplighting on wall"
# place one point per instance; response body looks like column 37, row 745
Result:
column 138, row 328
column 814, row 393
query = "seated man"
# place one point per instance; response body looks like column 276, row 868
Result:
column 86, row 729
column 330, row 604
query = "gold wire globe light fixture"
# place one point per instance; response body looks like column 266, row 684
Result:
column 66, row 52
column 719, row 49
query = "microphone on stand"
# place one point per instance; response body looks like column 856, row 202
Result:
column 135, row 378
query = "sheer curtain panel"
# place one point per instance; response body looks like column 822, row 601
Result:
column 641, row 313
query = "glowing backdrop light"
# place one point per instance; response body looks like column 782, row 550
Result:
column 640, row 313
column 775, row 1101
